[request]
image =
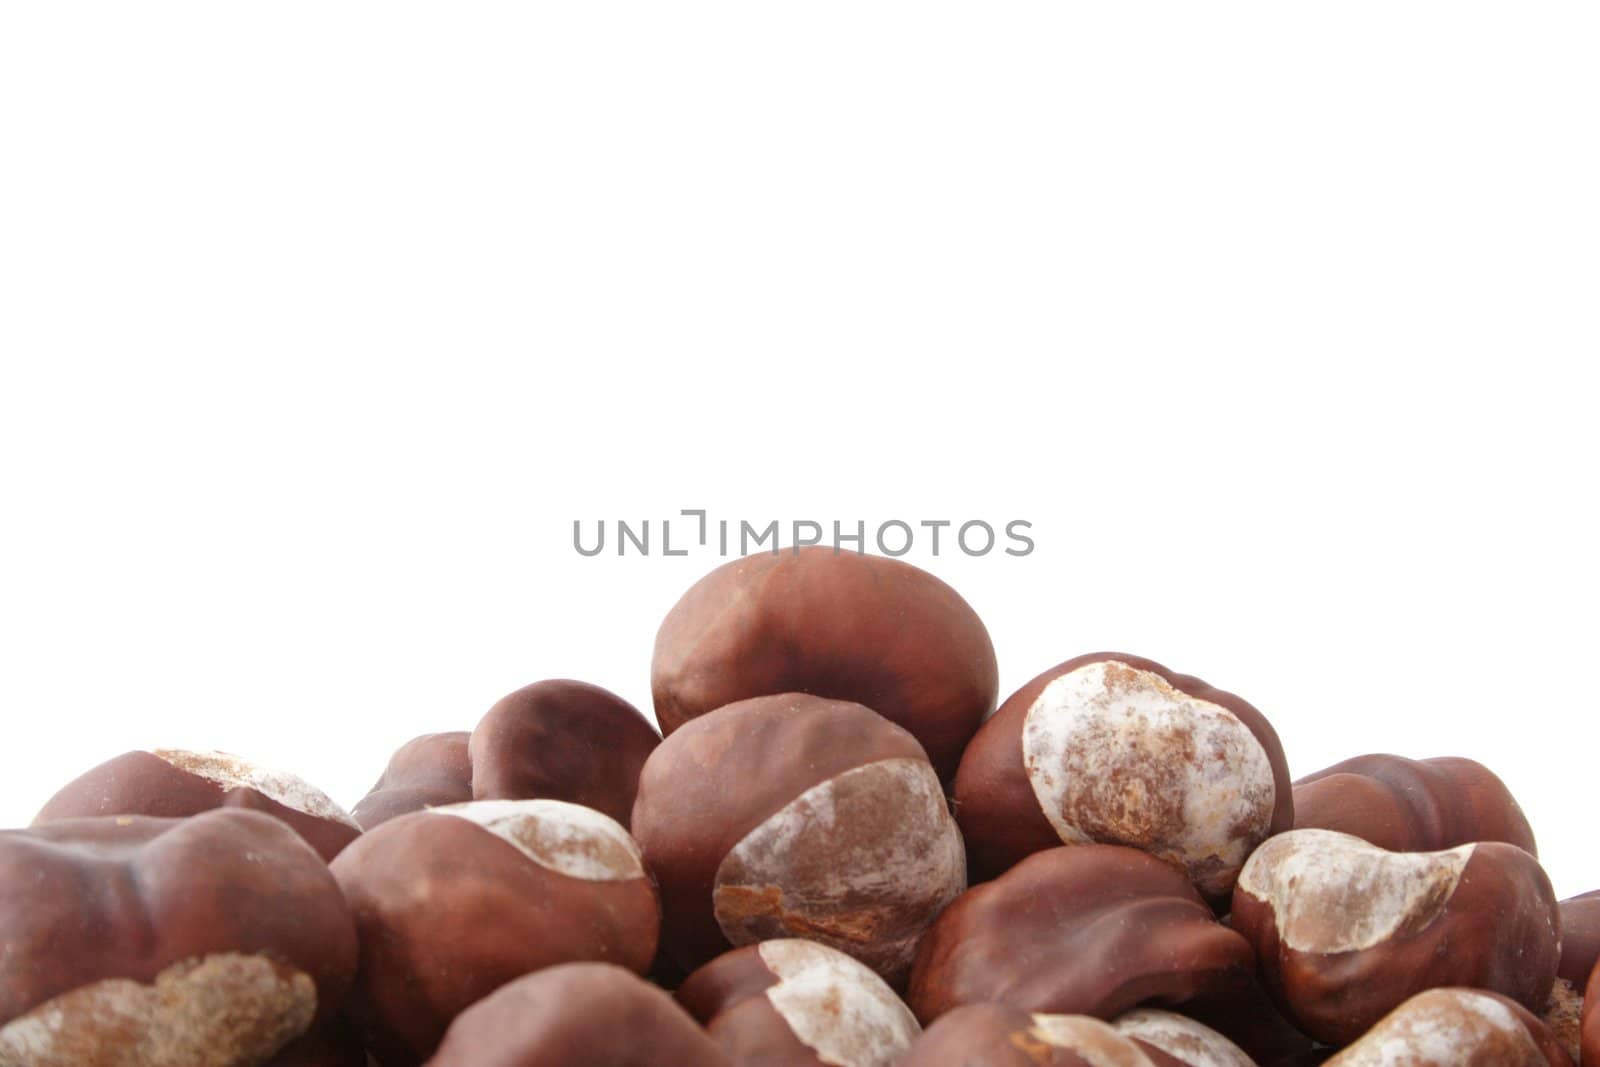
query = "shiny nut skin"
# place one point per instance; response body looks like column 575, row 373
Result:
column 1455, row 1027
column 1345, row 931
column 796, row 816
column 453, row 902
column 1078, row 930
column 796, row 1003
column 1063, row 759
column 999, row 1035
column 841, row 625
column 429, row 771
column 173, row 783
column 209, row 941
column 577, row 1015
column 562, row 740
column 1407, row 805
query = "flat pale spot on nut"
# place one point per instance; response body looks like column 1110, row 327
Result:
column 1563, row 1014
column 1095, row 1042
column 230, row 772
column 1117, row 755
column 1194, row 1043
column 569, row 839
column 836, row 1006
column 217, row 1011
column 1445, row 1028
column 862, row 862
column 1331, row 892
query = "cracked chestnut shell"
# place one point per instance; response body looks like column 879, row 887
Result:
column 999, row 1035
column 1346, row 931
column 429, row 771
column 173, row 783
column 845, row 626
column 1117, row 749
column 1078, row 930
column 796, row 1003
column 1407, row 805
column 1455, row 1027
column 797, row 816
column 453, row 902
column 577, row 1015
column 210, row 941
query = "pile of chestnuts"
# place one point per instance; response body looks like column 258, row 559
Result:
column 842, row 852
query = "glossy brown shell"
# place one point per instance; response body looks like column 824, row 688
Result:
column 429, row 771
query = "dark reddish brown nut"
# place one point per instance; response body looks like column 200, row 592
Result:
column 795, row 816
column 1119, row 750
column 1407, row 805
column 1080, row 930
column 1580, row 949
column 845, row 626
column 577, row 1015
column 211, row 941
column 562, row 740
column 426, row 772
column 1591, row 1019
column 453, row 902
column 998, row 1035
column 1456, row 1028
column 334, row 1045
column 1346, row 931
column 794, row 1003
column 1253, row 1021
column 174, row 783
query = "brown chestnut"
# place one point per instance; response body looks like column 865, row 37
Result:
column 1251, row 1019
column 1591, row 1019
column 1580, row 948
column 796, row 816
column 1346, row 931
column 562, row 740
column 841, row 625
column 1407, row 805
column 795, row 1003
column 1454, row 1027
column 169, row 782
column 577, row 1015
column 999, row 1035
column 1119, row 750
column 211, row 941
column 1078, row 930
column 426, row 772
column 453, row 902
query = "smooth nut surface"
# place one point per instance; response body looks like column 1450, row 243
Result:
column 1346, row 931
column 202, row 942
column 173, row 783
column 1116, row 749
column 429, row 771
column 1591, row 1019
column 577, row 1015
column 844, row 626
column 1078, row 930
column 1000, row 1035
column 1454, row 1027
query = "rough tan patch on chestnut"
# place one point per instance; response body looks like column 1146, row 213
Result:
column 218, row 1011
column 570, row 839
column 230, row 772
column 836, row 1006
column 1445, row 1028
column 1094, row 1041
column 1331, row 892
column 1194, row 1043
column 862, row 862
column 1117, row 755
column 1563, row 1014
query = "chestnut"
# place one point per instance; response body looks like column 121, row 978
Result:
column 426, row 772
column 170, row 782
column 577, row 1015
column 1251, row 1019
column 842, row 625
column 562, row 740
column 1407, row 805
column 1580, row 948
column 1078, row 930
column 211, row 941
column 794, row 1003
column 1117, row 749
column 797, row 816
column 1454, row 1027
column 1591, row 1019
column 1346, row 931
column 452, row 902
column 1000, row 1035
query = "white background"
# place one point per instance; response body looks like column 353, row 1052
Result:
column 322, row 323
